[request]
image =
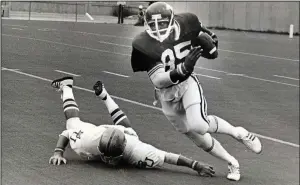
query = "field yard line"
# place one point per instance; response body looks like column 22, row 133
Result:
column 60, row 43
column 117, row 74
column 144, row 105
column 105, row 51
column 72, row 74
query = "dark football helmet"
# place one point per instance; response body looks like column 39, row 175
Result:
column 159, row 20
column 111, row 146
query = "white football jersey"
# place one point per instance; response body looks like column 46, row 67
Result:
column 85, row 140
column 141, row 154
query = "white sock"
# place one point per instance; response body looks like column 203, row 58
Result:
column 219, row 152
column 67, row 93
column 68, row 99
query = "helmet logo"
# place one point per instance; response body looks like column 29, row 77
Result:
column 156, row 16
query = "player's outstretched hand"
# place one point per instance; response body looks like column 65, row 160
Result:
column 191, row 59
column 205, row 170
column 57, row 159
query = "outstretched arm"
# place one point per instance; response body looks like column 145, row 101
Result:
column 59, row 150
column 180, row 160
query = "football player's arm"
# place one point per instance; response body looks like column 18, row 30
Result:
column 155, row 69
column 62, row 143
column 180, row 160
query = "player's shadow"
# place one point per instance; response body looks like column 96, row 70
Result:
column 167, row 170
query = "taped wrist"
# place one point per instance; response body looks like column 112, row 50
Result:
column 179, row 75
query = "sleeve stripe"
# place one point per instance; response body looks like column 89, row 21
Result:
column 200, row 33
column 155, row 69
column 213, row 50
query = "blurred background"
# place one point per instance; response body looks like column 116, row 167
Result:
column 255, row 16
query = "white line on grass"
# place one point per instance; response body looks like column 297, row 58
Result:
column 71, row 45
column 148, row 106
column 207, row 76
column 16, row 28
column 72, row 74
column 105, row 51
column 14, row 25
column 115, row 74
column 286, row 77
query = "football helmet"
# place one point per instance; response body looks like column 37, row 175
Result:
column 159, row 20
column 111, row 146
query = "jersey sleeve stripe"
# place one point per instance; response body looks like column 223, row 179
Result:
column 155, row 69
column 213, row 50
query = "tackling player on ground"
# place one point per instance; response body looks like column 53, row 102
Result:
column 168, row 51
column 110, row 143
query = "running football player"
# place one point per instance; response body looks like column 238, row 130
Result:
column 110, row 143
column 168, row 51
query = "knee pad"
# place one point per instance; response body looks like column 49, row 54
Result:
column 197, row 124
column 213, row 123
column 205, row 141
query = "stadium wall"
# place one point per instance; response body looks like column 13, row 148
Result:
column 256, row 16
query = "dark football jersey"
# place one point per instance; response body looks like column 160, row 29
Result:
column 148, row 52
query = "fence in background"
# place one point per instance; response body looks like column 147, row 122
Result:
column 258, row 16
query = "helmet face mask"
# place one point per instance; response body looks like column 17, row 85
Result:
column 159, row 21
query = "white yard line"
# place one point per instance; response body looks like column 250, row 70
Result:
column 15, row 25
column 127, row 46
column 72, row 74
column 207, row 76
column 115, row 74
column 145, row 105
column 270, row 81
column 16, row 28
column 286, row 77
column 71, row 45
column 259, row 55
column 211, row 69
column 105, row 51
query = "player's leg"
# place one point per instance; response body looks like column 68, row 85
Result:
column 70, row 107
column 117, row 115
column 198, row 126
column 216, row 124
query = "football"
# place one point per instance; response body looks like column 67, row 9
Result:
column 207, row 44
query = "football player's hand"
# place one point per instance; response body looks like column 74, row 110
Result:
column 216, row 41
column 204, row 170
column 57, row 159
column 191, row 59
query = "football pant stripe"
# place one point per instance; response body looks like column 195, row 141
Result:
column 202, row 103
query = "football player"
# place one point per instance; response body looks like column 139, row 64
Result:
column 168, row 51
column 110, row 143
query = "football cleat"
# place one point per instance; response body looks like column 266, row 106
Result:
column 234, row 172
column 100, row 90
column 252, row 142
column 61, row 82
